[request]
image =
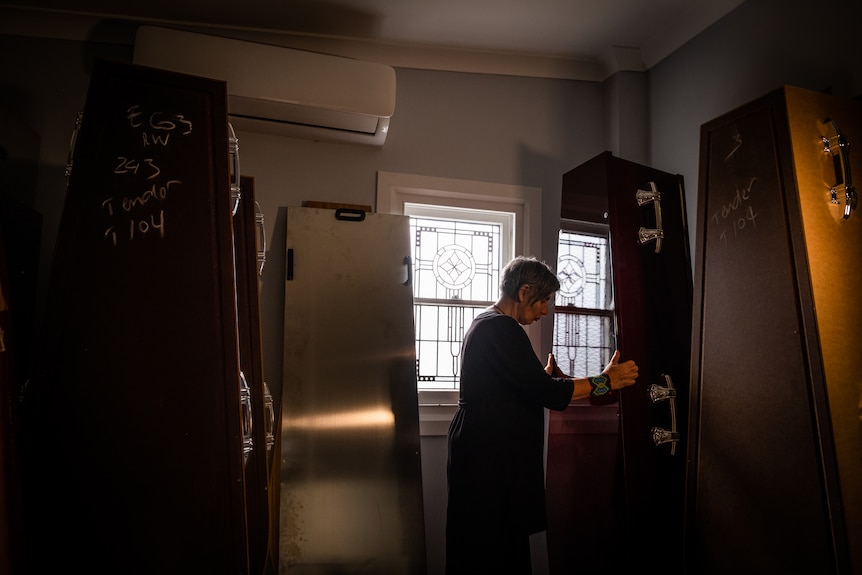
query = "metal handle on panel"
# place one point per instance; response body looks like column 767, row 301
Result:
column 658, row 393
column 247, row 418
column 408, row 263
column 660, row 436
column 839, row 147
column 79, row 118
column 235, row 190
column 261, row 229
column 651, row 196
column 269, row 408
column 288, row 268
column 350, row 214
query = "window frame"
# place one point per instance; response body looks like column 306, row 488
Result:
column 394, row 190
column 601, row 230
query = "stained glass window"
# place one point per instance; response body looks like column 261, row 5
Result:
column 456, row 274
column 583, row 315
column 457, row 265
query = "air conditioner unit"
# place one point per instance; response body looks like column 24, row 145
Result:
column 279, row 90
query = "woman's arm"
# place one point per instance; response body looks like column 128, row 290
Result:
column 615, row 376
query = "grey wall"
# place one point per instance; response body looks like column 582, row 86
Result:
column 763, row 44
column 466, row 126
column 492, row 128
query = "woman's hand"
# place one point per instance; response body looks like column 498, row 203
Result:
column 621, row 374
column 549, row 367
column 552, row 368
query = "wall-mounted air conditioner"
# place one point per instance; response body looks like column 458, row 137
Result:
column 281, row 90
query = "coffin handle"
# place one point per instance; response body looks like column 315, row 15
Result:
column 79, row 118
column 261, row 231
column 247, row 418
column 665, row 393
column 235, row 190
column 651, row 196
column 269, row 408
column 839, row 147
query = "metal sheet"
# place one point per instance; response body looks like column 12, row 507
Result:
column 351, row 493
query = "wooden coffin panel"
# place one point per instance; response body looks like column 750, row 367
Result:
column 605, row 473
column 134, row 421
column 763, row 484
column 261, row 500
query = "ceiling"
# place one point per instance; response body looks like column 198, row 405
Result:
column 587, row 39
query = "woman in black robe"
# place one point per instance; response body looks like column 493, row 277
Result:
column 496, row 439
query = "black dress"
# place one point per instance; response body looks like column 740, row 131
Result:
column 495, row 470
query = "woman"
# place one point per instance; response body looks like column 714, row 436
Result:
column 496, row 439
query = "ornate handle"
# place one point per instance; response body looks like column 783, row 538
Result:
column 839, row 147
column 270, row 417
column 261, row 228
column 79, row 118
column 235, row 190
column 247, row 418
column 656, row 234
column 658, row 393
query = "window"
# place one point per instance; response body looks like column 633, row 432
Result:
column 463, row 233
column 457, row 256
column 583, row 315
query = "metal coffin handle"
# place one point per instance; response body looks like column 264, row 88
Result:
column 261, row 230
column 79, row 119
column 235, row 190
column 247, row 418
column 658, row 393
column 651, row 196
column 839, row 147
column 269, row 408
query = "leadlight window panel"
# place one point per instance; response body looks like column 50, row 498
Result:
column 438, row 346
column 456, row 275
column 455, row 260
column 583, row 270
column 583, row 317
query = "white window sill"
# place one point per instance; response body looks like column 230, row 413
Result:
column 436, row 409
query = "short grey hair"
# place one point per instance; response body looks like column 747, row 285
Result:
column 530, row 271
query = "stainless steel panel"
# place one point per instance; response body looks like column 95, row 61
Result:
column 351, row 493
